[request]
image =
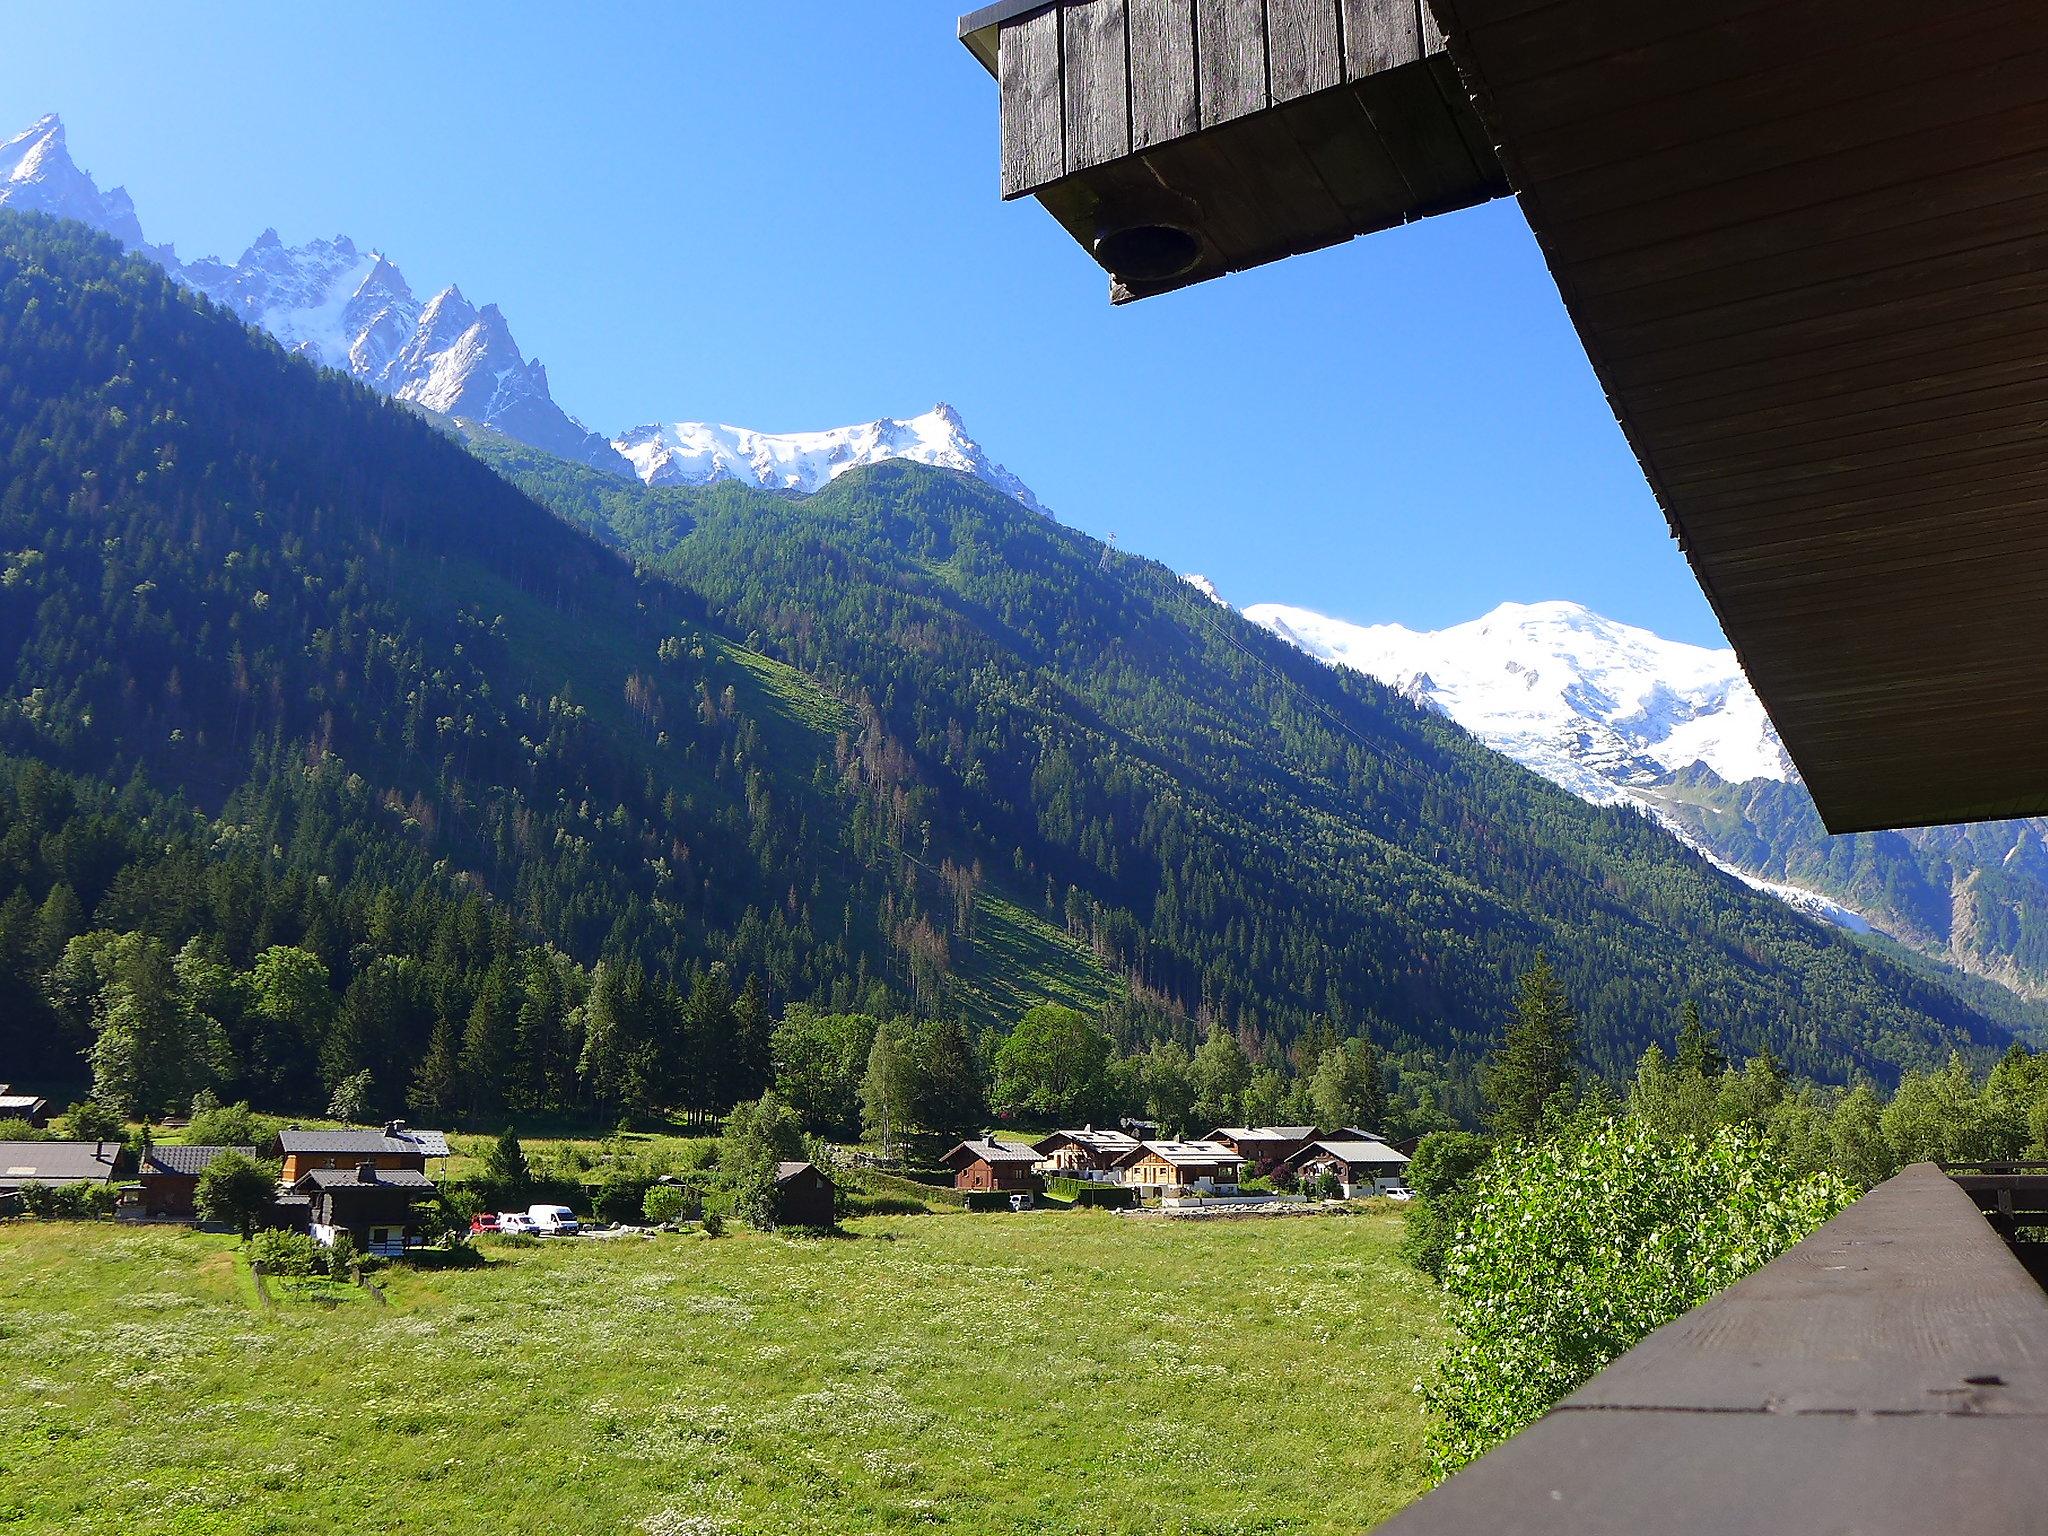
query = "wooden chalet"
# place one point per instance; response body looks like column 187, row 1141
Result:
column 1176, row 1168
column 375, row 1206
column 1803, row 242
column 167, row 1179
column 991, row 1164
column 1263, row 1147
column 1361, row 1167
column 1083, row 1154
column 393, row 1148
column 805, row 1196
column 59, row 1163
column 24, row 1106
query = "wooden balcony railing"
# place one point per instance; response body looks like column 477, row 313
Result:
column 1887, row 1376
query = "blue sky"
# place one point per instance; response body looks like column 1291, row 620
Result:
column 785, row 216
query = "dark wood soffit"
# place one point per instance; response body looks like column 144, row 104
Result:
column 1805, row 243
column 1887, row 1375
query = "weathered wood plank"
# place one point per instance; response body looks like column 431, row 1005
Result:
column 1432, row 34
column 1345, row 149
column 1304, row 48
column 1379, row 35
column 1885, row 1375
column 1028, row 74
column 1162, row 54
column 1230, row 58
column 1096, row 84
column 1420, row 134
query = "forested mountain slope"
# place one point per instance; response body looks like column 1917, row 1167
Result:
column 903, row 737
column 1233, row 826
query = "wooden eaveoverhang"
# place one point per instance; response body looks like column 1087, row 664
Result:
column 1806, row 246
column 1805, row 243
column 1178, row 140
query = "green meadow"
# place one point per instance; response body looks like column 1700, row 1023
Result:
column 1050, row 1373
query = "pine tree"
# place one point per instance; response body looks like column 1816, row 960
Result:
column 506, row 1172
column 433, row 1086
column 1537, row 1062
column 884, row 1088
column 1699, row 1048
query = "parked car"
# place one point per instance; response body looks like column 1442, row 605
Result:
column 516, row 1224
column 553, row 1220
column 1399, row 1192
column 1020, row 1202
column 482, row 1222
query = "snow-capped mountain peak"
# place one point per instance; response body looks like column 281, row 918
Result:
column 37, row 173
column 349, row 308
column 699, row 452
column 1603, row 708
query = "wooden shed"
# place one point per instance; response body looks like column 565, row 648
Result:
column 1086, row 1153
column 991, row 1164
column 169, row 1178
column 805, row 1196
column 374, row 1206
column 30, row 1107
column 392, row 1148
column 1177, row 140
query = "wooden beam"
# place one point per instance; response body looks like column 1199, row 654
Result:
column 1230, row 59
column 1304, row 48
column 1096, row 83
column 1033, row 132
column 1380, row 35
column 1162, row 54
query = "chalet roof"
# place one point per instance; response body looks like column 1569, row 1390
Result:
column 347, row 1142
column 990, row 1150
column 1089, row 1137
column 784, row 1172
column 322, row 1179
column 188, row 1162
column 57, row 1162
column 1263, row 1132
column 1350, row 1152
column 1181, row 1154
column 12, row 1104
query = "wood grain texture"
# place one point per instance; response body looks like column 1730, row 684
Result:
column 1380, row 35
column 1096, row 85
column 1884, row 1375
column 1304, row 48
column 1230, row 58
column 1028, row 74
column 1164, row 104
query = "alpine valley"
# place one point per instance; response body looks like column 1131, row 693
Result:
column 1620, row 716
column 322, row 625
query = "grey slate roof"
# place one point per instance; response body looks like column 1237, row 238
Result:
column 56, row 1162
column 992, row 1151
column 784, row 1172
column 187, row 1161
column 19, row 1103
column 1350, row 1152
column 1182, row 1154
column 1092, row 1139
column 432, row 1143
column 346, row 1178
column 344, row 1142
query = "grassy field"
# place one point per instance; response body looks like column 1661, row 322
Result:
column 984, row 1374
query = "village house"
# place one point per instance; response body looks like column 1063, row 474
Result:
column 58, row 1163
column 23, row 1106
column 1361, row 1167
column 992, row 1164
column 1083, row 1154
column 1263, row 1147
column 1170, row 1169
column 396, row 1147
column 805, row 1196
column 167, row 1180
column 374, row 1206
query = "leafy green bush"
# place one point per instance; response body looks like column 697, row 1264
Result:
column 14, row 1128
column 90, row 1120
column 68, row 1202
column 714, row 1224
column 664, row 1203
column 229, row 1125
column 235, row 1190
column 293, row 1255
column 988, row 1199
column 1441, row 1175
column 1579, row 1246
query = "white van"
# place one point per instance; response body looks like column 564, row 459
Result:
column 553, row 1220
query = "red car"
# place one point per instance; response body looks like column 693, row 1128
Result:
column 486, row 1222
